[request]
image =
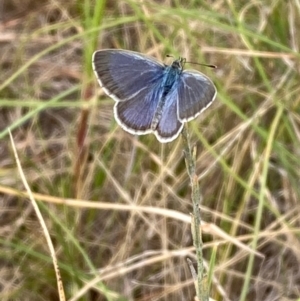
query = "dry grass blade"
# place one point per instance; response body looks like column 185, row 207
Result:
column 39, row 215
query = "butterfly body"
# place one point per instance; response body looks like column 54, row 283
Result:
column 172, row 74
column 151, row 97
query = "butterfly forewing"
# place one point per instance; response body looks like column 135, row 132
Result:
column 124, row 73
column 195, row 93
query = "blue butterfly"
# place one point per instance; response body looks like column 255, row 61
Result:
column 152, row 97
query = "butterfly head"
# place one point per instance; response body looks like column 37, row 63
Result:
column 179, row 63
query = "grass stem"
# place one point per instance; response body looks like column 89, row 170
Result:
column 190, row 160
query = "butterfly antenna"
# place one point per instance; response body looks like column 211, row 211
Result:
column 206, row 65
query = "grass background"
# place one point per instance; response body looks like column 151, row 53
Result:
column 117, row 206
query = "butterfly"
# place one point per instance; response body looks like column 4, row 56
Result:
column 152, row 97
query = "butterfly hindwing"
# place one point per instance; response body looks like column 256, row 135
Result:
column 136, row 113
column 169, row 127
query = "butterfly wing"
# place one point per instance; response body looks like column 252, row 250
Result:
column 123, row 74
column 133, row 80
column 193, row 93
column 169, row 127
column 196, row 92
column 136, row 113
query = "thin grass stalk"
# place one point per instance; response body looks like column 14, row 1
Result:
column 190, row 161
